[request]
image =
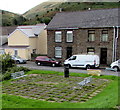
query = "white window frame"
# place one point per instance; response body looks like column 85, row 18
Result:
column 89, row 51
column 104, row 36
column 58, row 36
column 91, row 36
column 69, row 37
column 58, row 49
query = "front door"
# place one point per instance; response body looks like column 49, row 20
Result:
column 69, row 52
column 103, row 56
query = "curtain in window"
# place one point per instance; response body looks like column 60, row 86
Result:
column 69, row 36
column 58, row 36
column 58, row 52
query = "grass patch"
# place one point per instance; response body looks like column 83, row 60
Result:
column 52, row 86
column 72, row 74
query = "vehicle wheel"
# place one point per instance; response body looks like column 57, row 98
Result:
column 17, row 62
column 53, row 65
column 38, row 63
column 69, row 66
column 88, row 67
column 115, row 68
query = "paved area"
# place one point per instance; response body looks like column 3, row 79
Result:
column 32, row 65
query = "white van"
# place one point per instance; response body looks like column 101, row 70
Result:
column 116, row 65
column 83, row 61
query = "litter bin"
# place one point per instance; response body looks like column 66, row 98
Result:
column 66, row 71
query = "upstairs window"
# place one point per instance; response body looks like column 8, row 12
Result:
column 91, row 35
column 58, row 52
column 104, row 36
column 69, row 36
column 58, row 36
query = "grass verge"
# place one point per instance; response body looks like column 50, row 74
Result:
column 108, row 98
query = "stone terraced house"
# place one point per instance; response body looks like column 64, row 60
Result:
column 85, row 32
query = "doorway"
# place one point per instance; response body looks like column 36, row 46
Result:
column 69, row 52
column 103, row 56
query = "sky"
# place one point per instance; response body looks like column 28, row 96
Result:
column 19, row 6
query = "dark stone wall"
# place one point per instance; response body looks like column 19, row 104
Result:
column 80, row 43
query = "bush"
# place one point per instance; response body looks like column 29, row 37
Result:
column 6, row 62
column 6, row 76
column 8, row 66
column 16, row 69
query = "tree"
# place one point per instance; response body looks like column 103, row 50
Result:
column 6, row 62
column 15, row 22
column 46, row 20
column 19, row 20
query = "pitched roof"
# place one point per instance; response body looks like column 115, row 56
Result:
column 85, row 19
column 4, row 32
column 32, row 30
column 7, row 30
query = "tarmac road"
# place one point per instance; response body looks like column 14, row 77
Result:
column 32, row 65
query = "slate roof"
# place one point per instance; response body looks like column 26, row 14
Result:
column 32, row 30
column 85, row 19
column 7, row 30
column 4, row 32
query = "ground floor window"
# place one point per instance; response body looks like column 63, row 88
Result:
column 16, row 52
column 58, row 52
column 34, row 51
column 90, row 50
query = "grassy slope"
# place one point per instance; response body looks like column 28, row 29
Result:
column 49, row 9
column 41, row 9
column 108, row 98
column 105, row 99
column 7, row 17
column 66, row 6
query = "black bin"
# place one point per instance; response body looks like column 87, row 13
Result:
column 66, row 71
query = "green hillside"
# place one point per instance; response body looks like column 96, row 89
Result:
column 8, row 18
column 45, row 11
column 41, row 9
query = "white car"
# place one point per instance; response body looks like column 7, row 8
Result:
column 116, row 65
column 18, row 59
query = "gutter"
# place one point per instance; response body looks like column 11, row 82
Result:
column 113, row 55
column 116, row 42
